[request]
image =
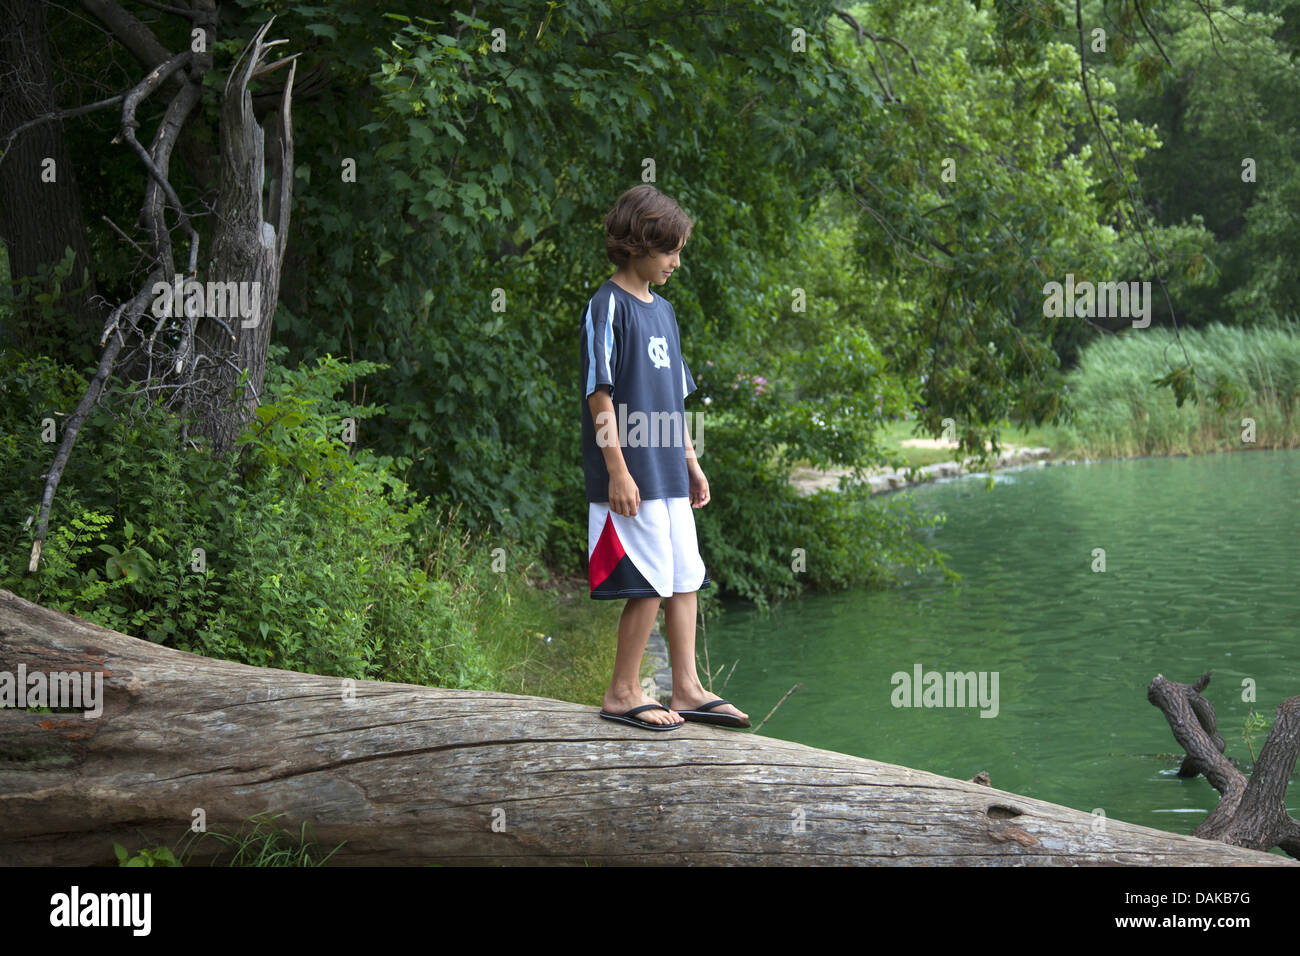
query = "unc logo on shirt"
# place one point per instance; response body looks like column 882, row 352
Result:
column 657, row 349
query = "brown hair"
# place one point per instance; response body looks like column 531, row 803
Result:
column 644, row 220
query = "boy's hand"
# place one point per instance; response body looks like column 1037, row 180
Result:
column 624, row 495
column 699, row 485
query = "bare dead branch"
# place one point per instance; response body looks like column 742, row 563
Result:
column 275, row 66
column 189, row 13
column 1251, row 812
column 884, row 87
column 56, row 115
column 186, row 97
column 1137, row 5
column 157, row 161
column 73, row 425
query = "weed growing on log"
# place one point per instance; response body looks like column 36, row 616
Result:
column 258, row 842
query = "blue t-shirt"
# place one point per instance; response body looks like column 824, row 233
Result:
column 635, row 348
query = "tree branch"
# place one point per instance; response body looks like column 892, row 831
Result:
column 1251, row 813
column 129, row 31
column 56, row 115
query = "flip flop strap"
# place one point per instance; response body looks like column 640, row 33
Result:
column 636, row 710
column 711, row 704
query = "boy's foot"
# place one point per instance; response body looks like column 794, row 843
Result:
column 692, row 702
column 618, row 705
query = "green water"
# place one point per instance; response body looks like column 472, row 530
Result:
column 1202, row 564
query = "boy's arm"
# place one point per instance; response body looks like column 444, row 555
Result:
column 692, row 462
column 600, row 401
column 624, row 495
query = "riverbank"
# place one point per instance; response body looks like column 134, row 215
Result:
column 657, row 674
column 809, row 481
column 656, row 668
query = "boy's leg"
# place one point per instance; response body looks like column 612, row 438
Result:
column 688, row 692
column 625, row 689
column 689, row 574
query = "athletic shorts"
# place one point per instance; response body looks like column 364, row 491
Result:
column 652, row 554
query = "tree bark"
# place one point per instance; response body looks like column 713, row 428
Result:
column 1251, row 812
column 417, row 775
column 248, row 244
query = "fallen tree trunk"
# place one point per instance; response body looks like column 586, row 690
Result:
column 417, row 775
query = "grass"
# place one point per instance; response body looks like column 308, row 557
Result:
column 1121, row 414
column 539, row 633
column 258, row 842
column 900, row 456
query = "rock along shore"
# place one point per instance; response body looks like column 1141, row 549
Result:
column 809, row 481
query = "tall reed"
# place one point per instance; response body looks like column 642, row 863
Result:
column 1121, row 414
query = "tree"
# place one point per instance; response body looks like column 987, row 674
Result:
column 40, row 203
column 206, row 355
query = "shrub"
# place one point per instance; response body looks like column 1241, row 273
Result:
column 293, row 552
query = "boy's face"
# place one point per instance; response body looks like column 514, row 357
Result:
column 658, row 266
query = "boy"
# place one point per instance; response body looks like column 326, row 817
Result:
column 640, row 532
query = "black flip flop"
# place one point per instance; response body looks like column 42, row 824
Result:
column 701, row 714
column 629, row 717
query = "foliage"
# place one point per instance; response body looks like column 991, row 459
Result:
column 299, row 554
column 876, row 214
column 1255, row 375
column 1229, row 94
column 1254, row 725
column 48, row 327
column 261, row 844
column 158, row 856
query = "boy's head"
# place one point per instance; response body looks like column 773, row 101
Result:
column 644, row 221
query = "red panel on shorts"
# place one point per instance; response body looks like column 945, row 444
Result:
column 609, row 552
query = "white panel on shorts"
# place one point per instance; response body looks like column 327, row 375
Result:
column 659, row 539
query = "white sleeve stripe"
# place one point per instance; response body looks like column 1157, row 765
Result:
column 591, row 346
column 609, row 337
column 591, row 353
